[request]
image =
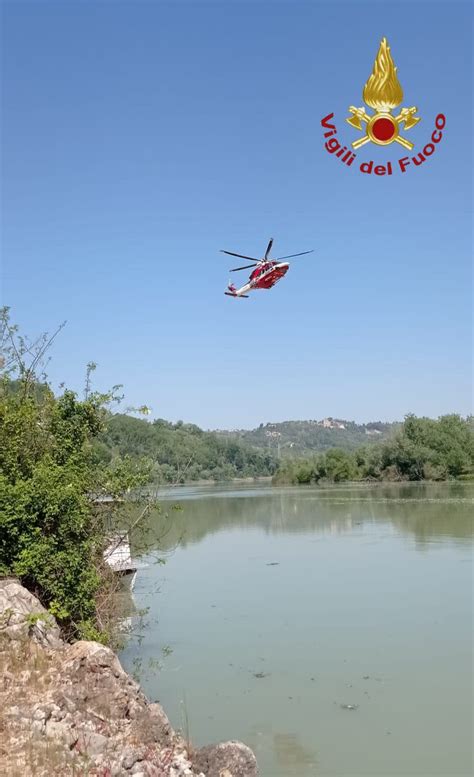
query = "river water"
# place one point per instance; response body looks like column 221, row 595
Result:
column 329, row 628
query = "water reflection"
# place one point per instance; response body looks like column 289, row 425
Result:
column 291, row 755
column 426, row 511
column 282, row 606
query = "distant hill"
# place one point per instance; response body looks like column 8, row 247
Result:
column 301, row 438
column 183, row 452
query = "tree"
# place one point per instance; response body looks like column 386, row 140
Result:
column 423, row 448
column 340, row 465
column 52, row 536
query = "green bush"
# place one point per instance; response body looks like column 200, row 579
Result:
column 51, row 534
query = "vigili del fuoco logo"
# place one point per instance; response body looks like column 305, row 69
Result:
column 383, row 94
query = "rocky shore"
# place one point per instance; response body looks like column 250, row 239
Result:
column 70, row 709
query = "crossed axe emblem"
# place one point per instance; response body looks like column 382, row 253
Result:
column 406, row 117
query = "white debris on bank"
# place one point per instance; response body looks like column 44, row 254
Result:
column 118, row 556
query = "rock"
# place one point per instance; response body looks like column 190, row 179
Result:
column 39, row 713
column 22, row 616
column 37, row 726
column 131, row 755
column 78, row 703
column 91, row 743
column 14, row 712
column 235, row 758
column 95, row 655
column 159, row 721
column 181, row 766
column 61, row 732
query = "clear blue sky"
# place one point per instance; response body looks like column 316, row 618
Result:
column 139, row 138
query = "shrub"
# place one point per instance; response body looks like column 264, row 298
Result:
column 51, row 535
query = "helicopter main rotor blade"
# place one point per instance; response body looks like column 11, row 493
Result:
column 244, row 268
column 269, row 248
column 292, row 255
column 241, row 256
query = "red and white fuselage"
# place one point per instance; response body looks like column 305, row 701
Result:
column 265, row 275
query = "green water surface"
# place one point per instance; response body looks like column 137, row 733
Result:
column 282, row 605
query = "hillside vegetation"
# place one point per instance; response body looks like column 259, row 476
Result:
column 182, row 452
column 422, row 449
column 296, row 451
column 302, row 438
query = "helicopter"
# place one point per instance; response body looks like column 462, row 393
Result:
column 267, row 271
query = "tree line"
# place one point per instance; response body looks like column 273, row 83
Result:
column 422, row 449
column 181, row 452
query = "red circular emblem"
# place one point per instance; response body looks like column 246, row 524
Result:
column 383, row 129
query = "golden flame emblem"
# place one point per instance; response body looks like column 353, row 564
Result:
column 383, row 92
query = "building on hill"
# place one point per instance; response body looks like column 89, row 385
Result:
column 330, row 423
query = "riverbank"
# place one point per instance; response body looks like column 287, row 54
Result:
column 71, row 708
column 156, row 489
